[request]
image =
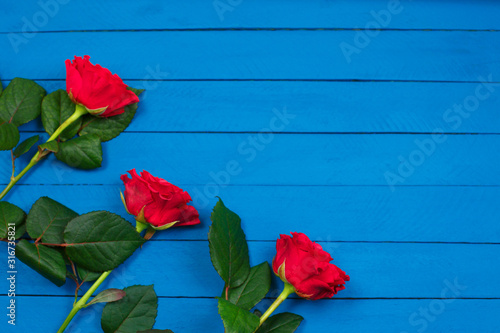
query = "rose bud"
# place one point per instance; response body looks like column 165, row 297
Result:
column 303, row 264
column 157, row 202
column 100, row 92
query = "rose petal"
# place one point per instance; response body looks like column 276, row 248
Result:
column 137, row 194
column 96, row 87
column 308, row 267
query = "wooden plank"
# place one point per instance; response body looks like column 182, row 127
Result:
column 276, row 55
column 345, row 316
column 285, row 159
column 387, row 270
column 229, row 106
column 290, row 174
column 357, row 213
column 149, row 14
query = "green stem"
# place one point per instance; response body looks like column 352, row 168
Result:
column 82, row 303
column 139, row 226
column 287, row 291
column 79, row 111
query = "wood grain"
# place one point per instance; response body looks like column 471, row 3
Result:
column 215, row 81
column 285, row 159
column 324, row 213
column 263, row 55
column 319, row 107
column 197, row 315
column 377, row 270
column 199, row 14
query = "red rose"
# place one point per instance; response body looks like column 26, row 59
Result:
column 303, row 264
column 157, row 202
column 101, row 92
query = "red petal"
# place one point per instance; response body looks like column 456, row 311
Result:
column 73, row 80
column 314, row 289
column 137, row 194
column 189, row 216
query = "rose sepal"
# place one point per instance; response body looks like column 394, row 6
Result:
column 281, row 272
column 124, row 204
column 96, row 112
column 149, row 233
column 165, row 226
column 140, row 217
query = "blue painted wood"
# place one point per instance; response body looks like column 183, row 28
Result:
column 197, row 315
column 377, row 270
column 439, row 224
column 285, row 159
column 315, row 55
column 343, row 213
column 224, row 106
column 150, row 14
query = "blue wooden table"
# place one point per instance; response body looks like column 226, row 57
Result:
column 371, row 126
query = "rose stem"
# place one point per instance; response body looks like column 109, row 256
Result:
column 83, row 301
column 287, row 291
column 79, row 111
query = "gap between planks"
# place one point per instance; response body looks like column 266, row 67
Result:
column 293, row 297
column 354, row 80
column 248, row 29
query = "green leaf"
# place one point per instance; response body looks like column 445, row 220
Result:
column 45, row 260
column 110, row 127
column 87, row 276
column 21, row 101
column 135, row 312
column 228, row 246
column 285, row 322
column 26, row 145
column 48, row 147
column 56, row 108
column 136, row 91
column 100, row 241
column 236, row 319
column 47, row 219
column 9, row 136
column 156, row 331
column 253, row 290
column 13, row 215
column 107, row 296
column 84, row 152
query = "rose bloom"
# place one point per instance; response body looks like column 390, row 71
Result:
column 306, row 266
column 157, row 202
column 94, row 87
